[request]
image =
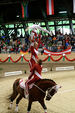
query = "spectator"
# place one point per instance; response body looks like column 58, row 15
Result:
column 0, row 48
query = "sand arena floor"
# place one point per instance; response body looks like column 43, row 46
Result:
column 62, row 102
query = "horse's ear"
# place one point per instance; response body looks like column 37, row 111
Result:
column 57, row 87
column 60, row 87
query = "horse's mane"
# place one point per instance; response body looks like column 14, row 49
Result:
column 42, row 80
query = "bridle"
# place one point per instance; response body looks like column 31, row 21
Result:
column 49, row 90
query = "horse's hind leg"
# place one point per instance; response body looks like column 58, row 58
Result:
column 17, row 102
column 12, row 98
column 13, row 95
column 15, row 92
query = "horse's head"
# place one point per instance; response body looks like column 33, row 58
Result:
column 51, row 91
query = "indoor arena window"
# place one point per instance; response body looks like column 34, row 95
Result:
column 11, row 26
column 30, row 24
column 52, row 29
column 66, row 29
column 21, row 25
column 51, row 23
column 65, row 22
column 58, row 22
column 7, row 26
column 42, row 23
column 73, row 21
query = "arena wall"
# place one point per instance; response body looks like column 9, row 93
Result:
column 27, row 56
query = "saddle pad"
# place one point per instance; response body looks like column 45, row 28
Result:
column 22, row 83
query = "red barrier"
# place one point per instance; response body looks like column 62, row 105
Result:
column 4, row 60
column 45, row 59
column 56, row 59
column 15, row 60
column 42, row 60
column 25, row 59
column 69, row 59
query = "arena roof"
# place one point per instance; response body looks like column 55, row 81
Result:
column 10, row 10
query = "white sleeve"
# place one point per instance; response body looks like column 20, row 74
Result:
column 32, row 44
column 31, row 35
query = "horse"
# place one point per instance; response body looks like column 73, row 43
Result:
column 44, row 88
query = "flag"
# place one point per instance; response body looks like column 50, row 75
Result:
column 73, row 6
column 50, row 7
column 23, row 52
column 24, row 9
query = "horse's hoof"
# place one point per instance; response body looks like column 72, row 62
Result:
column 9, row 108
column 16, row 110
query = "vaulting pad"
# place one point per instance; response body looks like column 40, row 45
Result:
column 22, row 83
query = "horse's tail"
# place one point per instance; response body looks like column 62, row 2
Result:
column 15, row 92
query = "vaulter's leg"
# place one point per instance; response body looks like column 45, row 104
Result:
column 43, row 105
column 17, row 102
column 28, row 82
column 29, row 107
column 26, row 90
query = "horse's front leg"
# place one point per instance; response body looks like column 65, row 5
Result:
column 29, row 106
column 43, row 105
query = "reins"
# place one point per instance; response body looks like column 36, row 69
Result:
column 50, row 89
column 44, row 91
column 39, row 88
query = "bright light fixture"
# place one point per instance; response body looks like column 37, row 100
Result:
column 17, row 16
column 63, row 12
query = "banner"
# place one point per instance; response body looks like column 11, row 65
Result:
column 73, row 6
column 50, row 7
column 24, row 9
column 66, row 51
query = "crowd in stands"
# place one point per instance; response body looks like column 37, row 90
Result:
column 55, row 43
column 9, row 45
column 59, row 42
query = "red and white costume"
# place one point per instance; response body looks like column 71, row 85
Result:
column 37, row 69
column 33, row 35
column 34, row 55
